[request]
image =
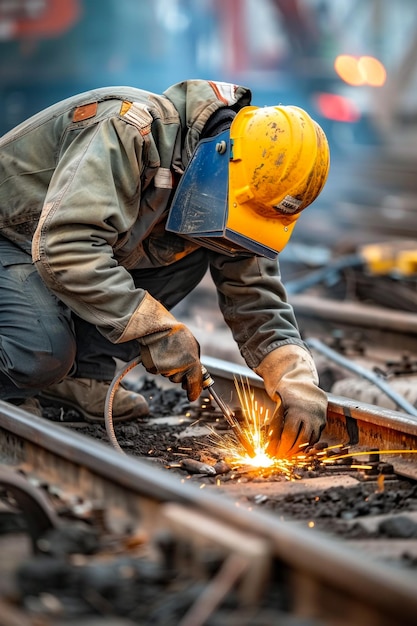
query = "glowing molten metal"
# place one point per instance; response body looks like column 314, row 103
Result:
column 253, row 433
column 252, row 438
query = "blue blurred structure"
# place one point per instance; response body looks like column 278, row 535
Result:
column 107, row 43
column 148, row 44
column 276, row 47
column 284, row 50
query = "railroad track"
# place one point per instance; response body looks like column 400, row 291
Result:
column 122, row 539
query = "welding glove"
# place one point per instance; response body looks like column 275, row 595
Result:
column 168, row 347
column 291, row 379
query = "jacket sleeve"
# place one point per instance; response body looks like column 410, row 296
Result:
column 92, row 202
column 254, row 304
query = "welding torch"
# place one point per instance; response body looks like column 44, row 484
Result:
column 208, row 383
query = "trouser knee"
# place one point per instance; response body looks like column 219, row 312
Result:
column 37, row 343
column 38, row 363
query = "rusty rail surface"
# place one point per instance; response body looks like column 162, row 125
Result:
column 348, row 421
column 320, row 573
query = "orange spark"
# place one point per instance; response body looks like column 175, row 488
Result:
column 254, row 429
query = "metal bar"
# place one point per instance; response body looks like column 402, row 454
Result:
column 354, row 314
column 224, row 371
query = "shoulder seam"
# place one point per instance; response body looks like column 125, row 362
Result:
column 138, row 115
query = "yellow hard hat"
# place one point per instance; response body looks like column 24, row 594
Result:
column 279, row 165
column 244, row 189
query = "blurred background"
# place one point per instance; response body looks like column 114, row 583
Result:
column 351, row 64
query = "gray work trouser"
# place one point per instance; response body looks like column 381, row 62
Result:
column 41, row 341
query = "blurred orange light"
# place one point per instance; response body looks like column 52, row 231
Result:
column 365, row 70
column 373, row 71
column 347, row 68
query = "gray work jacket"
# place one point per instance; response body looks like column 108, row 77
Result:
column 85, row 187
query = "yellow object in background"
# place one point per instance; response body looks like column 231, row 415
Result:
column 391, row 257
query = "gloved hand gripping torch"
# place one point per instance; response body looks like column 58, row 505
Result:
column 208, row 383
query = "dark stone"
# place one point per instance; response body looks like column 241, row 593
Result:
column 400, row 527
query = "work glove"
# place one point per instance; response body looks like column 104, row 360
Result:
column 168, row 347
column 291, row 379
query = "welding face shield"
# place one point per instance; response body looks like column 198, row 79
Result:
column 244, row 189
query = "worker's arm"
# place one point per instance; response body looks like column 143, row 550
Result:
column 254, row 304
column 92, row 203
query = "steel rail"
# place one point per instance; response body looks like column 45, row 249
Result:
column 348, row 421
column 321, row 571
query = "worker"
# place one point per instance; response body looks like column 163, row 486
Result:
column 113, row 205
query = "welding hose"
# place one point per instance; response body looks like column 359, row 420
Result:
column 315, row 344
column 108, row 406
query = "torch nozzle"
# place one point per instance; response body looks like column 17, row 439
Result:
column 227, row 412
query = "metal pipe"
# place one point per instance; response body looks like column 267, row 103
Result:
column 355, row 314
column 363, row 372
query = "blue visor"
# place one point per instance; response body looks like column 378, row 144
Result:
column 200, row 204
